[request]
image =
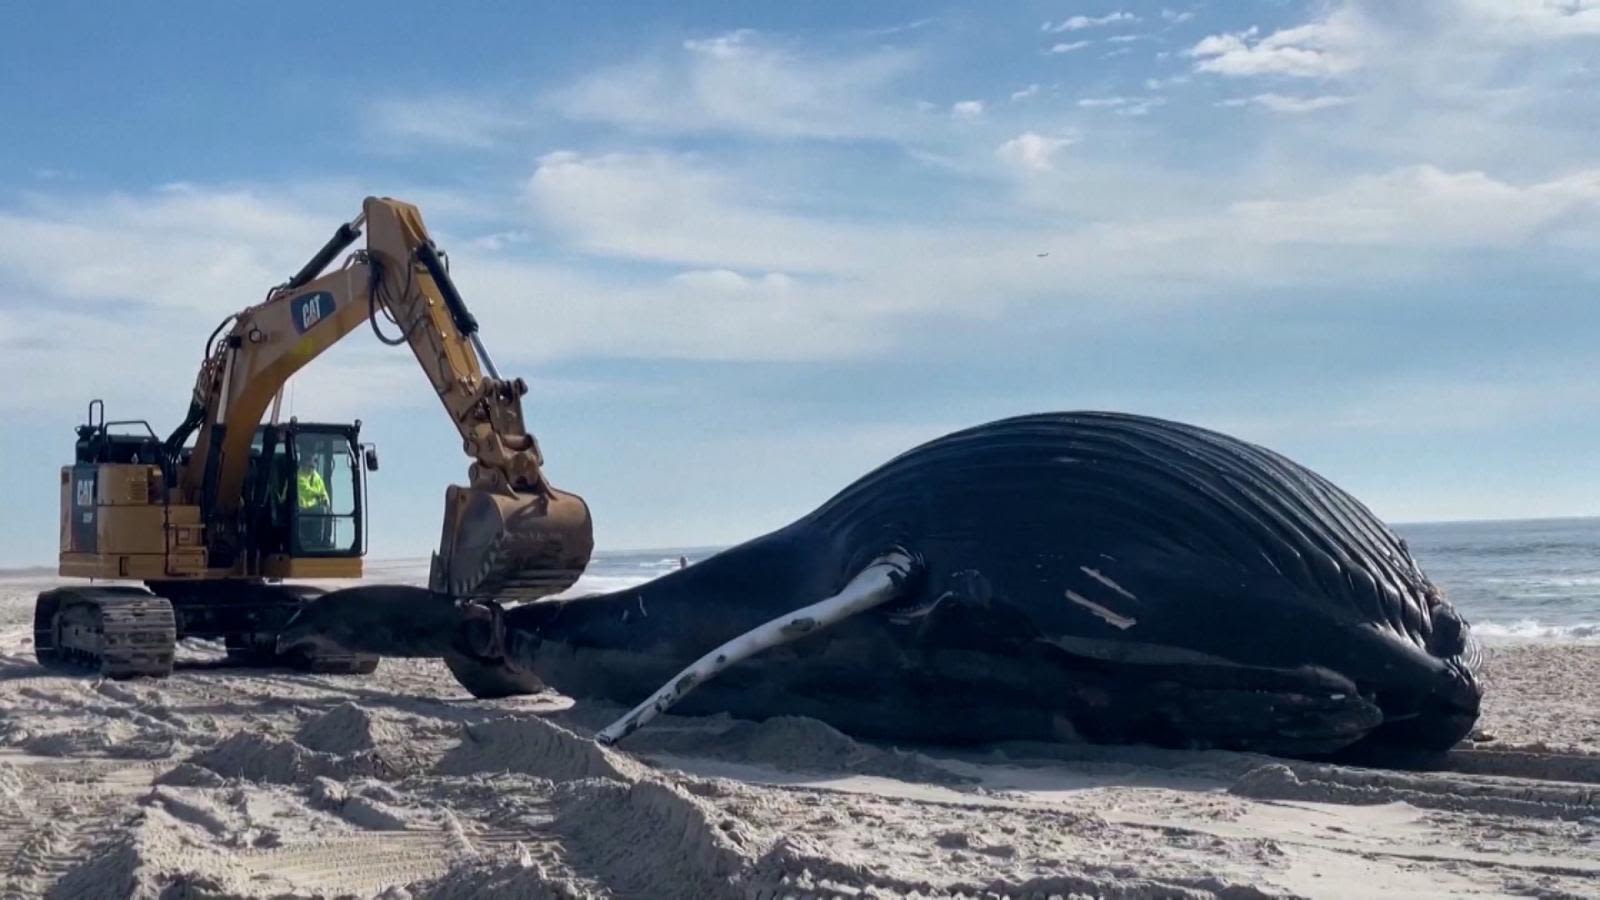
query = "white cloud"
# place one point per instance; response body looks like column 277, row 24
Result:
column 1031, row 90
column 1286, row 104
column 179, row 247
column 1079, row 23
column 664, row 208
column 1175, row 17
column 1321, row 49
column 1424, row 406
column 143, row 277
column 730, row 45
column 1125, row 106
column 744, row 84
column 967, row 109
column 1424, row 206
column 725, row 281
column 1499, row 85
column 1031, row 151
column 1532, row 20
column 726, row 275
column 1069, row 47
column 445, row 120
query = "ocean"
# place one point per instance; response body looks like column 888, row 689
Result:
column 1535, row 579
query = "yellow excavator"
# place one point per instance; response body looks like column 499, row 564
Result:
column 211, row 523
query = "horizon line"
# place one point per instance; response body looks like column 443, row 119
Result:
column 49, row 569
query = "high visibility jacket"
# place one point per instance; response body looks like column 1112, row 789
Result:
column 311, row 489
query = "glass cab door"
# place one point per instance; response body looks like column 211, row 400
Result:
column 326, row 495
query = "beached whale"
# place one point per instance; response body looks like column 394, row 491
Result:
column 1080, row 576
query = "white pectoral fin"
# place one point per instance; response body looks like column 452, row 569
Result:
column 878, row 583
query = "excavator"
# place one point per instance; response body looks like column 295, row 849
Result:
column 212, row 531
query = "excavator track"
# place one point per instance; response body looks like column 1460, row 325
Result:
column 120, row 632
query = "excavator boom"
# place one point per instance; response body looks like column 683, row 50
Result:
column 508, row 533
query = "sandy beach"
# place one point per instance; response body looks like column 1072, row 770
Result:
column 255, row 783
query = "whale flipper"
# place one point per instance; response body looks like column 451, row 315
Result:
column 880, row 582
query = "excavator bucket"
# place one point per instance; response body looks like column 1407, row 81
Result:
column 508, row 547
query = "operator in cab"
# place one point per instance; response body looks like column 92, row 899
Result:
column 312, row 494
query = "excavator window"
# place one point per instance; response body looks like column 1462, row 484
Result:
column 325, row 495
column 280, row 484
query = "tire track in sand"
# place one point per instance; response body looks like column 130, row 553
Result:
column 54, row 814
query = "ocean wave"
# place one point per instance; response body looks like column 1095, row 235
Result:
column 603, row 584
column 1512, row 544
column 1534, row 630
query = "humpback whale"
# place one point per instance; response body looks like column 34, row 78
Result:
column 1087, row 576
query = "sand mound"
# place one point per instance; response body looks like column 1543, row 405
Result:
column 115, row 739
column 653, row 838
column 348, row 728
column 258, row 758
column 797, row 744
column 190, row 775
column 371, row 805
column 11, row 781
column 534, row 747
column 644, row 838
column 157, row 858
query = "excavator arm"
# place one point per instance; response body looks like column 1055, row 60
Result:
column 508, row 534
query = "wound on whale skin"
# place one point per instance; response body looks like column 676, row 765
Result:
column 1087, row 576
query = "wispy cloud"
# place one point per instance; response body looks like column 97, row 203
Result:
column 1069, row 46
column 1286, row 104
column 1427, row 206
column 1031, row 151
column 1079, row 23
column 1127, row 106
column 1319, row 49
column 1157, row 84
column 967, row 109
column 446, row 120
column 1523, row 20
column 741, row 82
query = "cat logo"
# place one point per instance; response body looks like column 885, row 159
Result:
column 85, row 491
column 309, row 309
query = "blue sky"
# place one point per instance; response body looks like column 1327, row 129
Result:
column 745, row 252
